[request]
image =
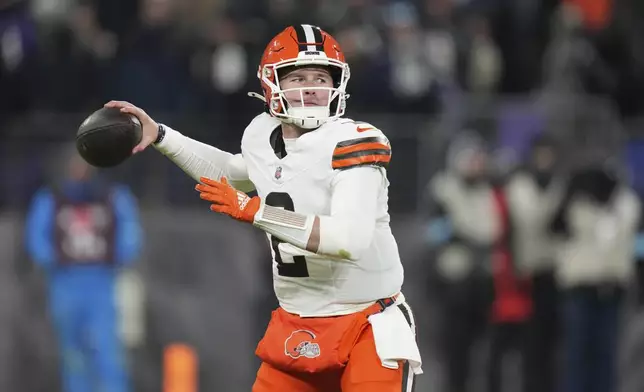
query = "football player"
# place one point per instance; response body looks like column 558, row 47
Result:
column 321, row 182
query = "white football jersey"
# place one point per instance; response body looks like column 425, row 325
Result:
column 306, row 283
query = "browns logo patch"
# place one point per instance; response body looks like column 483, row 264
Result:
column 300, row 344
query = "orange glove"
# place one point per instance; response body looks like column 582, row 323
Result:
column 228, row 200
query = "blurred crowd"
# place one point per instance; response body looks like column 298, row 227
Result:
column 202, row 55
column 515, row 122
column 540, row 263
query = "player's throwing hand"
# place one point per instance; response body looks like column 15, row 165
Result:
column 228, row 200
column 149, row 126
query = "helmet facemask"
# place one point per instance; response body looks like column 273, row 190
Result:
column 297, row 112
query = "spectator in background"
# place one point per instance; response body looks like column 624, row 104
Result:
column 521, row 31
column 533, row 194
column 79, row 51
column 464, row 227
column 566, row 54
column 598, row 51
column 511, row 307
column 222, row 66
column 417, row 61
column 482, row 68
column 359, row 27
column 154, row 66
column 18, row 50
column 615, row 31
column 81, row 230
column 597, row 223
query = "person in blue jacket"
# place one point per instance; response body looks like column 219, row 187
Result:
column 81, row 231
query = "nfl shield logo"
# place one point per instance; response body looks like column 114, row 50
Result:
column 278, row 173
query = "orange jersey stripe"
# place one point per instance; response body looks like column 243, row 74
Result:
column 360, row 147
column 363, row 160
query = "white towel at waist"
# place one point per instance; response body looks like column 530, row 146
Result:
column 395, row 338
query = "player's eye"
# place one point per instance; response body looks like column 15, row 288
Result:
column 322, row 80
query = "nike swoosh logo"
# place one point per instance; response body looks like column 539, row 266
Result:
column 363, row 129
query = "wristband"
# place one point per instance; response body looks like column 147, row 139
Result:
column 160, row 134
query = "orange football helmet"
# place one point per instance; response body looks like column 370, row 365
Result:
column 296, row 46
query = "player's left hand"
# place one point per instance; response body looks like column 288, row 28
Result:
column 228, row 200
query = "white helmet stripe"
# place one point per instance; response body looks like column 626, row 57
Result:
column 310, row 37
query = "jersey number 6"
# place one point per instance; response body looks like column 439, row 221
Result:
column 298, row 268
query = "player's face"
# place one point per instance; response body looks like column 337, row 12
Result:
column 306, row 83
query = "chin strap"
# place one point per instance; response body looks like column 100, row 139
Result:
column 258, row 96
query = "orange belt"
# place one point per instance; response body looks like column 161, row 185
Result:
column 380, row 305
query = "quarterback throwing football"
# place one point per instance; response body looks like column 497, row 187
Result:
column 321, row 182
